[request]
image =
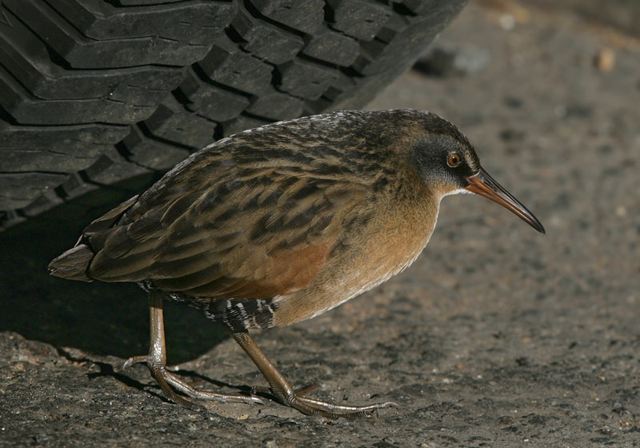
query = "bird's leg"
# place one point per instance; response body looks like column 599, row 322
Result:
column 287, row 395
column 156, row 361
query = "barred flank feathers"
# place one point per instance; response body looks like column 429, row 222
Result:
column 72, row 264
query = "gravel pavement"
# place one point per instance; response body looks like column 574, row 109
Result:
column 496, row 337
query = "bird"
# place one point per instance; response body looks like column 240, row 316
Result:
column 279, row 224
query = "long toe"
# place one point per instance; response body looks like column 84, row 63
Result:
column 199, row 394
column 140, row 359
column 268, row 391
column 311, row 406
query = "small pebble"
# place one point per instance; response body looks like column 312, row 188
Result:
column 507, row 22
column 605, row 60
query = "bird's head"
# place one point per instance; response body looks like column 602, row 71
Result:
column 448, row 164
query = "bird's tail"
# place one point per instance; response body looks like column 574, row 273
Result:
column 72, row 264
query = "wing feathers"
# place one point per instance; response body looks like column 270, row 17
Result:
column 236, row 224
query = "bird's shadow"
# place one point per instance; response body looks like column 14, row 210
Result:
column 104, row 319
column 110, row 370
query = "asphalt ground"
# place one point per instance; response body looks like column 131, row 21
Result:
column 497, row 336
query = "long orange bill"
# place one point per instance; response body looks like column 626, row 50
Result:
column 484, row 185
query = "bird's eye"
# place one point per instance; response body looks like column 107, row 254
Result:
column 453, row 159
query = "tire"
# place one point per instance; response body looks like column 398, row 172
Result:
column 94, row 93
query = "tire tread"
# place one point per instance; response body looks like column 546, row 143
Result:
column 107, row 90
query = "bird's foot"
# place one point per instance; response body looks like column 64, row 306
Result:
column 171, row 384
column 299, row 400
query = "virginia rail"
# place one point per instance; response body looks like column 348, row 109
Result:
column 281, row 223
